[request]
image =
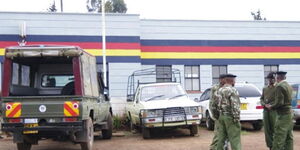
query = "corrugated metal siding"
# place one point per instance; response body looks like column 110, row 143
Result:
column 293, row 75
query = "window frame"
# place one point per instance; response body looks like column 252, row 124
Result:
column 219, row 70
column 20, row 77
column 192, row 78
column 169, row 73
column 270, row 70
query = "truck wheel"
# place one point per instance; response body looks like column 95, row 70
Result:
column 107, row 133
column 89, row 132
column 146, row 133
column 194, row 130
column 209, row 122
column 257, row 125
column 24, row 146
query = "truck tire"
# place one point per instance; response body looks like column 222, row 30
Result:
column 24, row 146
column 194, row 130
column 257, row 125
column 146, row 132
column 209, row 122
column 89, row 132
column 107, row 133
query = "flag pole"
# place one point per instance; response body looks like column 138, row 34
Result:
column 103, row 43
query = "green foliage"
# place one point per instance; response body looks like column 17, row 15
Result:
column 119, row 122
column 111, row 6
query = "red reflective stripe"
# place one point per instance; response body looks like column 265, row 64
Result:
column 77, row 76
column 70, row 110
column 12, row 114
column 7, row 68
column 217, row 49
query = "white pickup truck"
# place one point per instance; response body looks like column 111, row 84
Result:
column 162, row 105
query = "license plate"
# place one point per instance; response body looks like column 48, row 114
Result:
column 244, row 106
column 31, row 125
column 30, row 121
column 174, row 118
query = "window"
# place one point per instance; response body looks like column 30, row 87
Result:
column 56, row 80
column 216, row 71
column 20, row 74
column 164, row 73
column 192, row 78
column 205, row 95
column 268, row 69
column 248, row 91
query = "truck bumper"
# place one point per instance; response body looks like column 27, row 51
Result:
column 62, row 126
column 172, row 124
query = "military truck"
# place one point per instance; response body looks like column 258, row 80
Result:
column 152, row 105
column 53, row 92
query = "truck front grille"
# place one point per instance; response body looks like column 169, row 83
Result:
column 174, row 111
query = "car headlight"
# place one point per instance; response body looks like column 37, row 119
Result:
column 151, row 113
column 192, row 110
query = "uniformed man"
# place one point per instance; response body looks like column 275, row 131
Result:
column 269, row 116
column 283, row 136
column 229, row 119
column 214, row 113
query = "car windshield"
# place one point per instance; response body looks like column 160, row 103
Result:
column 248, row 91
column 159, row 92
column 296, row 92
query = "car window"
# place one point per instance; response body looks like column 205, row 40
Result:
column 296, row 92
column 207, row 96
column 56, row 80
column 248, row 91
column 202, row 97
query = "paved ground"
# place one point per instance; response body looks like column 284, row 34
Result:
column 172, row 140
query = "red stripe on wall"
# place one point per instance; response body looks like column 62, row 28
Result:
column 217, row 49
column 84, row 45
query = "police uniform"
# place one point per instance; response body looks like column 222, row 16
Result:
column 213, row 103
column 269, row 116
column 229, row 119
column 283, row 136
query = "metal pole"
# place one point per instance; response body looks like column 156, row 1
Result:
column 61, row 6
column 103, row 42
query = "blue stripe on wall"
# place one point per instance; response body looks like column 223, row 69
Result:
column 120, row 59
column 218, row 61
column 219, row 43
column 71, row 38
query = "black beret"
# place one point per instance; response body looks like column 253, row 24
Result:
column 230, row 76
column 281, row 72
column 271, row 75
column 222, row 76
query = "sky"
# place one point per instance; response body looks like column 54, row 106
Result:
column 273, row 10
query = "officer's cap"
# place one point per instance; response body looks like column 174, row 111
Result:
column 230, row 76
column 281, row 73
column 222, row 76
column 271, row 75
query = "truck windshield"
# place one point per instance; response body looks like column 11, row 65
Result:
column 56, row 80
column 160, row 92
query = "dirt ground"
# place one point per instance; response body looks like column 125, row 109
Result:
column 171, row 140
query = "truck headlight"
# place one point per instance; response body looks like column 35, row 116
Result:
column 151, row 113
column 193, row 110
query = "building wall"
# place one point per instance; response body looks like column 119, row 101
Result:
column 133, row 44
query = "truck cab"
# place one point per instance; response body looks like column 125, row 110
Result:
column 53, row 92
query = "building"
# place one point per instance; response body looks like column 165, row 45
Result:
column 200, row 49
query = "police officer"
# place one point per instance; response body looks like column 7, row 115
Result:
column 283, row 136
column 214, row 113
column 229, row 119
column 269, row 116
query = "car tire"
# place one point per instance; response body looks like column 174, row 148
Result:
column 23, row 146
column 146, row 132
column 107, row 133
column 89, row 132
column 257, row 125
column 193, row 130
column 209, row 122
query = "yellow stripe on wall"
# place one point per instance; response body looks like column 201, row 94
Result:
column 216, row 55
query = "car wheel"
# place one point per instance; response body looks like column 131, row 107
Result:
column 24, row 146
column 107, row 133
column 146, row 132
column 257, row 125
column 209, row 122
column 194, row 130
column 89, row 132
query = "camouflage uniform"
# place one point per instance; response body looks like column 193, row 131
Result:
column 214, row 113
column 283, row 136
column 269, row 116
column 229, row 120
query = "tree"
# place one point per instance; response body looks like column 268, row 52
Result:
column 52, row 7
column 257, row 15
column 111, row 6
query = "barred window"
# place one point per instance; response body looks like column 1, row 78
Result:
column 216, row 71
column 163, row 73
column 268, row 69
column 192, row 78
